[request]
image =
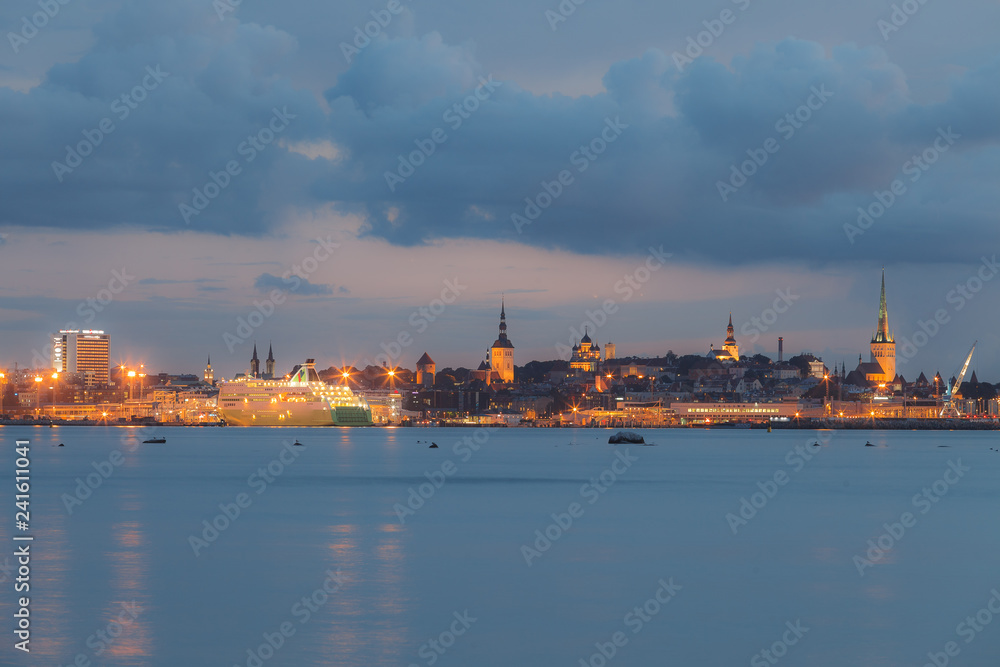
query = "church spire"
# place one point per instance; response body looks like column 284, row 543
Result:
column 269, row 363
column 882, row 333
column 503, row 320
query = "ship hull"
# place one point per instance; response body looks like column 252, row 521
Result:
column 303, row 400
column 299, row 416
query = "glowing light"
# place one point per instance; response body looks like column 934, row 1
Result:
column 38, row 379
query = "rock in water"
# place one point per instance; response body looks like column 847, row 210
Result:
column 433, row 446
column 626, row 437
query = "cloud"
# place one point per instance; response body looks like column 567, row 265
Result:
column 266, row 282
column 658, row 183
column 218, row 91
column 161, row 281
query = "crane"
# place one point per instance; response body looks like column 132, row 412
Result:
column 949, row 408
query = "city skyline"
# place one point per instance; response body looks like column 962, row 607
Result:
column 545, row 172
column 754, row 335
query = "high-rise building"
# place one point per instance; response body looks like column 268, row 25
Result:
column 883, row 345
column 502, row 352
column 85, row 352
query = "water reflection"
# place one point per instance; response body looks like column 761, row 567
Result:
column 128, row 630
column 51, row 557
column 366, row 622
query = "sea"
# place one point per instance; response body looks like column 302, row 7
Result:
column 509, row 547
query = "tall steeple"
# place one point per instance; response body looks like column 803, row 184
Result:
column 503, row 321
column 502, row 350
column 883, row 346
column 269, row 363
column 882, row 333
column 209, row 373
column 254, row 363
column 730, row 345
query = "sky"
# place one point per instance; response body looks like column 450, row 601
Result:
column 196, row 176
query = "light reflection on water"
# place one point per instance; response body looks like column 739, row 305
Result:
column 332, row 509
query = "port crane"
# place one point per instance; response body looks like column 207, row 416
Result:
column 949, row 409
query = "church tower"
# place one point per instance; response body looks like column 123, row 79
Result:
column 502, row 352
column 883, row 346
column 730, row 345
column 269, row 364
column 254, row 363
column 209, row 373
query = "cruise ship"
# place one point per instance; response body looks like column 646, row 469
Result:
column 300, row 400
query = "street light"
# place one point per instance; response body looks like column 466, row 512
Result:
column 131, row 386
column 3, row 390
column 38, row 393
column 55, row 377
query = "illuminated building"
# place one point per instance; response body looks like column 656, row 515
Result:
column 586, row 356
column 86, row 352
column 609, row 351
column 425, row 371
column 209, row 373
column 883, row 347
column 502, row 352
column 881, row 370
column 730, row 350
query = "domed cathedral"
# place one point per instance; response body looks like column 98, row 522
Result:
column 883, row 345
column 502, row 352
column 586, row 356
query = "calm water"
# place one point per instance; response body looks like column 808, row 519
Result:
column 125, row 552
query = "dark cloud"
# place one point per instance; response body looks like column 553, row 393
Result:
column 266, row 282
column 686, row 129
column 655, row 184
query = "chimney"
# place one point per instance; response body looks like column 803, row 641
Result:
column 781, row 349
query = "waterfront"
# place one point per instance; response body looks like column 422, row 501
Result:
column 343, row 505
